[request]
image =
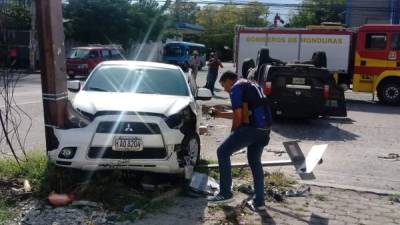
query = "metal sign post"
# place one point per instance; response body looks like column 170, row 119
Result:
column 52, row 65
column 304, row 165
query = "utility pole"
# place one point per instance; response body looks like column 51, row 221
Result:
column 52, row 64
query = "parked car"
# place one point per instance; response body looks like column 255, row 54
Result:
column 301, row 91
column 82, row 60
column 132, row 115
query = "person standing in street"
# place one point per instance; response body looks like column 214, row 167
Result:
column 195, row 64
column 213, row 66
column 251, row 124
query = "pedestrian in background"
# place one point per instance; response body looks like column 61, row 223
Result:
column 195, row 64
column 213, row 66
column 251, row 122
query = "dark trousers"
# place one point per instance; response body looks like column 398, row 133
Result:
column 211, row 79
column 254, row 139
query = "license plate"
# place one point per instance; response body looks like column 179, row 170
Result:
column 127, row 144
column 299, row 80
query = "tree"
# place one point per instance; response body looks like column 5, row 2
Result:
column 15, row 16
column 314, row 12
column 114, row 21
column 182, row 11
column 220, row 23
column 99, row 21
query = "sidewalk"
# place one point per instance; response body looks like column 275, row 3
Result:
column 322, row 207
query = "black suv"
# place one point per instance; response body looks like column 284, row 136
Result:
column 299, row 90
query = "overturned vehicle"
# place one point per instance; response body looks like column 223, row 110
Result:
column 297, row 90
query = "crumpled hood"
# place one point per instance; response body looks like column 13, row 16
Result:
column 92, row 102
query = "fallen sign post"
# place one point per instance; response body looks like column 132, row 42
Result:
column 304, row 165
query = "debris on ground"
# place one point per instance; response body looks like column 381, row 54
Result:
column 276, row 152
column 204, row 184
column 60, row 199
column 391, row 156
column 27, row 186
column 203, row 129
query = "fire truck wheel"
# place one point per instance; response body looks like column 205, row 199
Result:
column 389, row 92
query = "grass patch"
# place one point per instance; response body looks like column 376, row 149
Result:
column 211, row 172
column 35, row 169
column 7, row 211
column 301, row 209
column 279, row 181
column 114, row 189
column 214, row 173
column 394, row 198
column 320, row 197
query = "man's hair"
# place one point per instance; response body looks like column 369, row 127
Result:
column 228, row 75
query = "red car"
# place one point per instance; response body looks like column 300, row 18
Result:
column 82, row 60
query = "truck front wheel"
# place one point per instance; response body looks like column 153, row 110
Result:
column 389, row 92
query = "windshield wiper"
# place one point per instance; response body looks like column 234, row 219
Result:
column 98, row 89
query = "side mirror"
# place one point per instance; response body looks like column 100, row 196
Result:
column 204, row 94
column 74, row 85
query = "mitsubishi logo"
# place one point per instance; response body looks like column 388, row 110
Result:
column 128, row 128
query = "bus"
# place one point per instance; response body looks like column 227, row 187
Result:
column 179, row 53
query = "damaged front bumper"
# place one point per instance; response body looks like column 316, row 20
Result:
column 90, row 148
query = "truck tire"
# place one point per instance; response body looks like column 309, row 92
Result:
column 319, row 59
column 263, row 56
column 389, row 92
column 248, row 63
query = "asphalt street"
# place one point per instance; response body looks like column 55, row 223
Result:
column 355, row 143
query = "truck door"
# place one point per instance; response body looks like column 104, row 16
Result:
column 394, row 54
column 371, row 59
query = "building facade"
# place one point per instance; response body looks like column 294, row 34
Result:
column 361, row 12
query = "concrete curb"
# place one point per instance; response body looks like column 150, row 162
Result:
column 352, row 188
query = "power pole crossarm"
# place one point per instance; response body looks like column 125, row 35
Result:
column 52, row 64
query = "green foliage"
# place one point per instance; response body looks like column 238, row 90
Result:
column 7, row 212
column 113, row 21
column 220, row 22
column 15, row 16
column 182, row 11
column 314, row 12
column 279, row 181
column 32, row 169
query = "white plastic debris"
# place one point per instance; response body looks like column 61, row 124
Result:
column 202, row 183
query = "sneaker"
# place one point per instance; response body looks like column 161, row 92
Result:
column 219, row 199
column 254, row 207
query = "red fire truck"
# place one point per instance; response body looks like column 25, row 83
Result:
column 366, row 59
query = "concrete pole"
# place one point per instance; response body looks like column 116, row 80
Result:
column 52, row 64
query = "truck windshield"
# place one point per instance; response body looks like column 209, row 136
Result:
column 173, row 50
column 78, row 54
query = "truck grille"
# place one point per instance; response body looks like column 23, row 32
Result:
column 128, row 128
column 108, row 153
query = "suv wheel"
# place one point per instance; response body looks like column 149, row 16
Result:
column 389, row 92
column 191, row 146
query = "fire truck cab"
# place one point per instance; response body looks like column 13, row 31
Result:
column 377, row 62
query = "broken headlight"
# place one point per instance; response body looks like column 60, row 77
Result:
column 75, row 118
column 177, row 120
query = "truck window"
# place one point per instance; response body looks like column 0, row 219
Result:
column 375, row 41
column 396, row 41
